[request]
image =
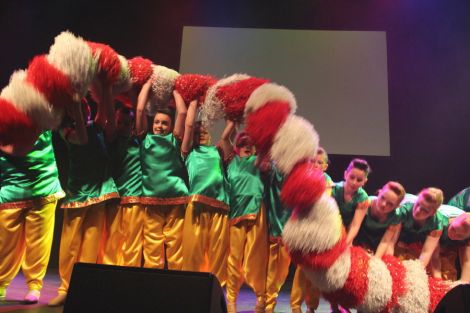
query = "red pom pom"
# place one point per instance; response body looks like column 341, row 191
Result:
column 193, row 86
column 49, row 81
column 398, row 272
column 263, row 124
column 108, row 61
column 322, row 260
column 15, row 126
column 437, row 290
column 303, row 186
column 354, row 290
column 234, row 96
column 140, row 70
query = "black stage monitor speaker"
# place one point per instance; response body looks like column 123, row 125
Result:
column 456, row 300
column 114, row 289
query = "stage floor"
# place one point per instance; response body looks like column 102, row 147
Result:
column 17, row 290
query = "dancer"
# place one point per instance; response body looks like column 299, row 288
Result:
column 29, row 191
column 89, row 187
column 164, row 192
column 206, row 229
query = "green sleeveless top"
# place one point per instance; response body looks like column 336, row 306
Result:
column 277, row 213
column 347, row 209
column 163, row 171
column 461, row 200
column 126, row 169
column 207, row 182
column 246, row 189
column 31, row 180
column 450, row 212
column 89, row 175
column 371, row 231
column 411, row 233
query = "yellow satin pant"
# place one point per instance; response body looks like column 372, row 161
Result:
column 248, row 257
column 206, row 240
column 278, row 268
column 163, row 234
column 302, row 289
column 113, row 237
column 25, row 242
column 81, row 239
column 133, row 231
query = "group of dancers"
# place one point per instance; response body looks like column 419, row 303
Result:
column 163, row 196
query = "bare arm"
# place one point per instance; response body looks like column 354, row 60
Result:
column 356, row 222
column 189, row 128
column 77, row 135
column 430, row 244
column 388, row 239
column 105, row 110
column 181, row 111
column 140, row 117
column 225, row 143
column 436, row 263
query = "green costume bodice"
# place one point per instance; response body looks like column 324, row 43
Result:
column 277, row 213
column 461, row 200
column 347, row 209
column 89, row 175
column 126, row 168
column 371, row 231
column 207, row 181
column 410, row 232
column 246, row 189
column 32, row 179
column 163, row 172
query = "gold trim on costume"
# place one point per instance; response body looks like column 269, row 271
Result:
column 130, row 200
column 210, row 201
column 24, row 204
column 249, row 217
column 78, row 204
column 164, row 201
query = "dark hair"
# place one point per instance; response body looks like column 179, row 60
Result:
column 360, row 164
column 164, row 110
column 126, row 111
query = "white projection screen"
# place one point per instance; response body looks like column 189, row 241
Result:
column 339, row 78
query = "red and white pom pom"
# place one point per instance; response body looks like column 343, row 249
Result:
column 109, row 65
column 194, row 86
column 27, row 99
column 123, row 82
column 15, row 125
column 140, row 70
column 303, row 186
column 295, row 141
column 268, row 93
column 72, row 55
column 50, row 81
column 213, row 108
column 163, row 83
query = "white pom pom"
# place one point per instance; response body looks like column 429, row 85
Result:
column 269, row 92
column 333, row 278
column 308, row 234
column 213, row 109
column 124, row 82
column 73, row 56
column 416, row 298
column 163, row 83
column 29, row 100
column 379, row 291
column 296, row 140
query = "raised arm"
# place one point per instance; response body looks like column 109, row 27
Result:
column 225, row 139
column 78, row 134
column 189, row 128
column 180, row 118
column 105, row 110
column 140, row 117
column 356, row 222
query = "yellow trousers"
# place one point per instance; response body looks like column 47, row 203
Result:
column 278, row 268
column 113, row 237
column 80, row 240
column 133, row 231
column 248, row 257
column 206, row 240
column 25, row 241
column 302, row 289
column 163, row 234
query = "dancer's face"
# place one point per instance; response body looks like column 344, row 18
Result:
column 161, row 124
column 354, row 179
column 459, row 228
column 387, row 201
column 423, row 209
column 320, row 162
